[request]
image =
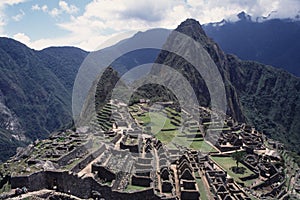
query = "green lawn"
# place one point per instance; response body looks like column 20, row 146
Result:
column 134, row 188
column 167, row 136
column 227, row 162
column 202, row 190
column 144, row 118
column 197, row 144
column 203, row 146
column 160, row 121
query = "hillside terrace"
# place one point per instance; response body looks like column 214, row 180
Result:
column 139, row 151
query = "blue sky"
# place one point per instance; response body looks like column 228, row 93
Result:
column 88, row 23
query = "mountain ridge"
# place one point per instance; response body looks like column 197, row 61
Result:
column 193, row 29
column 260, row 41
column 266, row 96
column 37, row 98
column 64, row 66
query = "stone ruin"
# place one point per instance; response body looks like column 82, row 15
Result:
column 221, row 186
column 124, row 155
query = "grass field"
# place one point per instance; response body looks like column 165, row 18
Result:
column 159, row 121
column 203, row 146
column 202, row 190
column 134, row 188
column 197, row 144
column 227, row 163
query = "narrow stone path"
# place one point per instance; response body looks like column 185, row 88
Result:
column 176, row 178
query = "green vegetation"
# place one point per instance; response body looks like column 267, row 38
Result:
column 72, row 164
column 164, row 130
column 203, row 146
column 197, row 144
column 160, row 124
column 290, row 167
column 61, row 139
column 36, row 87
column 134, row 188
column 202, row 189
column 131, row 141
column 167, row 136
column 8, row 144
column 238, row 157
column 227, row 163
column 104, row 117
column 6, row 188
column 264, row 107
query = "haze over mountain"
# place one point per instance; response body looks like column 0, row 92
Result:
column 274, row 42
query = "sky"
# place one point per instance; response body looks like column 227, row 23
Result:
column 88, row 24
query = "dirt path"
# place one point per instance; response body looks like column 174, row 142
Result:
column 157, row 168
column 206, row 185
column 44, row 192
column 176, row 178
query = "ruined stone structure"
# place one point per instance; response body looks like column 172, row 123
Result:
column 124, row 160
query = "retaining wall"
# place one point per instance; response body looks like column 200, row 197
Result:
column 72, row 184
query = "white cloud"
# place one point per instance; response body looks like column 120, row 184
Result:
column 70, row 9
column 3, row 17
column 208, row 11
column 19, row 16
column 54, row 12
column 10, row 2
column 44, row 8
column 35, row 7
column 102, row 18
column 63, row 7
column 106, row 17
column 70, row 40
column 22, row 37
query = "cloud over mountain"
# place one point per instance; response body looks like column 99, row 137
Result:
column 88, row 24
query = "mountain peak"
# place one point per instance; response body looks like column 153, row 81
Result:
column 191, row 27
column 244, row 16
column 189, row 21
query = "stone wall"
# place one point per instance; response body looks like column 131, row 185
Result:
column 251, row 167
column 116, row 138
column 132, row 148
column 250, row 177
column 4, row 180
column 186, row 195
column 72, row 184
column 141, row 181
column 103, row 173
column 144, row 194
column 74, row 153
column 225, row 148
column 77, row 168
column 273, row 179
column 19, row 181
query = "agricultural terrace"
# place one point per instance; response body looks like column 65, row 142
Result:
column 167, row 126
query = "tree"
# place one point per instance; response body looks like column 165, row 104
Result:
column 238, row 157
